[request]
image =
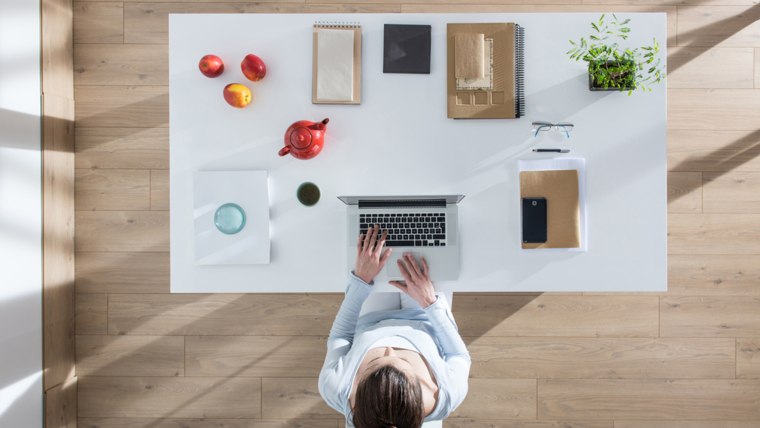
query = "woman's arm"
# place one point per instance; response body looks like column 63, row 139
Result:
column 344, row 325
column 371, row 257
column 340, row 340
column 418, row 286
column 454, row 351
column 446, row 329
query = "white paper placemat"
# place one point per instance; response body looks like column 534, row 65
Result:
column 249, row 190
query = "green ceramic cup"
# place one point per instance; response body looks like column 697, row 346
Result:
column 308, row 194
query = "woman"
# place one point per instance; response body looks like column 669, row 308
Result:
column 393, row 368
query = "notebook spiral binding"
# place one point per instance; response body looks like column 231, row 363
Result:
column 336, row 24
column 519, row 71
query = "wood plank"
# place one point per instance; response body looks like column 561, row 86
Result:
column 159, row 189
column 714, row 233
column 705, row 150
column 652, row 399
column 294, row 3
column 714, row 109
column 122, row 231
column 122, row 106
column 101, row 22
column 204, row 423
column 91, row 314
column 723, row 26
column 677, row 2
column 112, row 189
column 122, row 147
column 285, row 398
column 179, row 397
column 684, row 192
column 223, row 314
column 596, row 358
column 713, row 275
column 101, row 272
column 732, row 192
column 147, row 22
column 495, row 423
column 499, row 399
column 695, row 67
column 61, row 405
column 748, row 358
column 710, row 316
column 58, row 274
column 121, row 64
column 60, row 321
column 130, row 355
column 57, row 42
column 274, row 356
column 422, row 3
column 552, row 315
column 685, row 424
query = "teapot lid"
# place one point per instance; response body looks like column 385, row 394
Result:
column 300, row 137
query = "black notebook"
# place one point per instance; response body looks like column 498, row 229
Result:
column 406, row 49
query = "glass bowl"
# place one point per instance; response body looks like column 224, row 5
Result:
column 229, row 218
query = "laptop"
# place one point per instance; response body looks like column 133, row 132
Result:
column 426, row 226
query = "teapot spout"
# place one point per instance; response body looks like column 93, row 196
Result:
column 321, row 125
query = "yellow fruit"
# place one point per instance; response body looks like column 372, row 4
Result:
column 237, row 95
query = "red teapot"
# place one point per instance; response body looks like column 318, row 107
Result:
column 304, row 139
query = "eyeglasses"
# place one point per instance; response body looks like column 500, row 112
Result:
column 565, row 127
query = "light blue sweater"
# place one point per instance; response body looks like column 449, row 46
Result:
column 432, row 330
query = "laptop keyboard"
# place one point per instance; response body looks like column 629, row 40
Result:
column 408, row 229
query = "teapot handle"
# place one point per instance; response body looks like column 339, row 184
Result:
column 284, row 151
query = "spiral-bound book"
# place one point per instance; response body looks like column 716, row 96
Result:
column 485, row 71
column 337, row 63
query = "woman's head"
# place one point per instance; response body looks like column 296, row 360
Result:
column 388, row 397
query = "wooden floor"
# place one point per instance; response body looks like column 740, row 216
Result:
column 686, row 358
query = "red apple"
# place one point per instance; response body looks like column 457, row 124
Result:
column 253, row 67
column 237, row 95
column 211, row 66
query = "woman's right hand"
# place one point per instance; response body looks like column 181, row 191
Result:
column 371, row 254
column 416, row 283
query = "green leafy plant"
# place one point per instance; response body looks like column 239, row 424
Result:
column 612, row 67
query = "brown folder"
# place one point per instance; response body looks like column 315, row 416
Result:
column 498, row 93
column 560, row 188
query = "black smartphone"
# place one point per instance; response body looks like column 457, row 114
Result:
column 534, row 220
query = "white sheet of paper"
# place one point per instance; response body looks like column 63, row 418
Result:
column 335, row 65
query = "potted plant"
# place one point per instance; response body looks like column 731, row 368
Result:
column 612, row 68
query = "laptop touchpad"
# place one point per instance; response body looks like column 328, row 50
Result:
column 391, row 266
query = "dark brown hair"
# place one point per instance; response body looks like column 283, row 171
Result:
column 388, row 398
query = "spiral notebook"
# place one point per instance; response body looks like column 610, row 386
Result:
column 337, row 63
column 485, row 71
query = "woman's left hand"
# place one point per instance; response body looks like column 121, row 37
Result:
column 372, row 254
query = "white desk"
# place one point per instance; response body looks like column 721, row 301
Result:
column 399, row 141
